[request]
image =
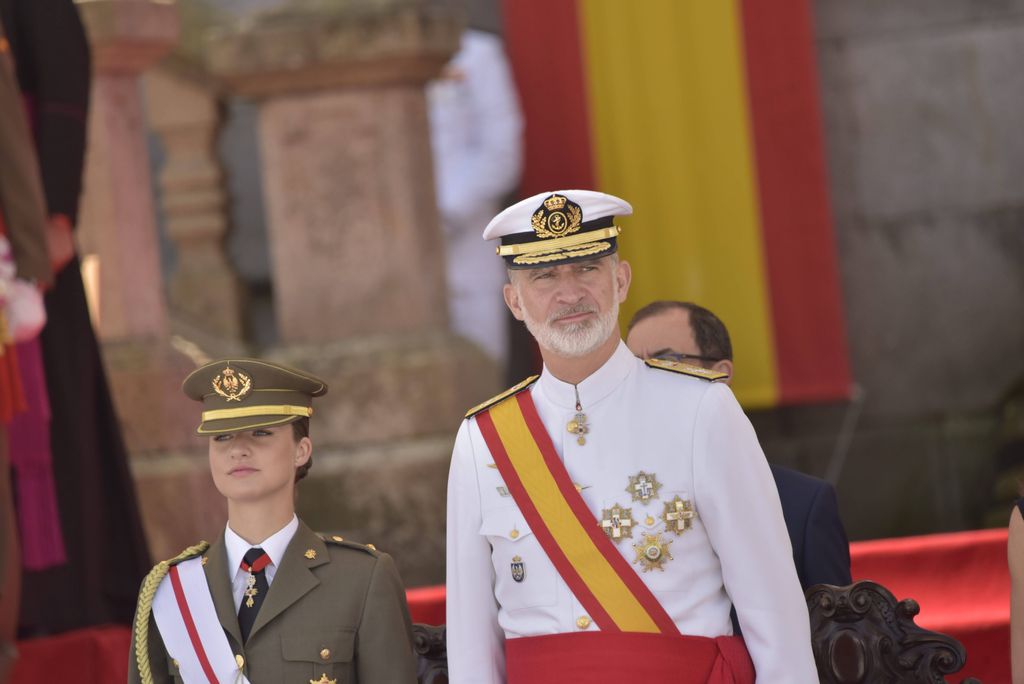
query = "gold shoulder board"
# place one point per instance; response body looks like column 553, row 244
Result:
column 687, row 369
column 510, row 392
column 339, row 541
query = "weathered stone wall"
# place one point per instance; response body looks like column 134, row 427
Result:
column 922, row 102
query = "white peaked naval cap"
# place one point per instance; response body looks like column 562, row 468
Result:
column 558, row 227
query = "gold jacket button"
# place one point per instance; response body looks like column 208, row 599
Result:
column 240, row 661
column 583, row 622
column 514, row 534
column 325, row 654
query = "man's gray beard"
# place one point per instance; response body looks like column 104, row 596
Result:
column 576, row 339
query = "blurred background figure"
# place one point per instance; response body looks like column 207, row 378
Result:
column 23, row 254
column 95, row 580
column 476, row 134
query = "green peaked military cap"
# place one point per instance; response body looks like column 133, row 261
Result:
column 245, row 394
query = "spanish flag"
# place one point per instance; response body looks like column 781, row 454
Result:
column 704, row 114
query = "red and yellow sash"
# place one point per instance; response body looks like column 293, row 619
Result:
column 601, row 579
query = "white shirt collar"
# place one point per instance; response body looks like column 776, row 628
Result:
column 274, row 545
column 594, row 387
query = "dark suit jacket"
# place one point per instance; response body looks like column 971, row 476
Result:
column 346, row 601
column 820, row 547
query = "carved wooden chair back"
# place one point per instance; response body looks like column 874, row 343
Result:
column 862, row 635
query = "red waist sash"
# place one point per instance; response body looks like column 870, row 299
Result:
column 615, row 657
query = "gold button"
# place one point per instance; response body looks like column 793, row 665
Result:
column 583, row 622
column 514, row 534
column 240, row 661
column 175, row 663
column 337, row 538
column 325, row 654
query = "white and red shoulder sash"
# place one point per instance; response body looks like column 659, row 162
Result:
column 192, row 634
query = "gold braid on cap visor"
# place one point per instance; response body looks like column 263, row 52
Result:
column 559, row 243
column 265, row 410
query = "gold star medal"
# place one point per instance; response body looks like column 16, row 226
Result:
column 617, row 522
column 652, row 552
column 643, row 487
column 678, row 515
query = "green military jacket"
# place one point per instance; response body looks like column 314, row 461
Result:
column 335, row 612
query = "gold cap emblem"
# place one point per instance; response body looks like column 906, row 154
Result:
column 557, row 216
column 233, row 385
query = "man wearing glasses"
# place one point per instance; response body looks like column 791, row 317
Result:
column 688, row 333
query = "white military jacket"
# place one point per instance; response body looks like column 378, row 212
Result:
column 691, row 436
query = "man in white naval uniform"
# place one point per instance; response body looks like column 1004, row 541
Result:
column 667, row 474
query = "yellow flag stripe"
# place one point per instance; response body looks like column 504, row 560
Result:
column 671, row 130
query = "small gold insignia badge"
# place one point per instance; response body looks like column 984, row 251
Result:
column 652, row 552
column 578, row 426
column 643, row 487
column 310, row 554
column 678, row 515
column 557, row 216
column 617, row 522
column 323, row 680
column 518, row 569
column 233, row 385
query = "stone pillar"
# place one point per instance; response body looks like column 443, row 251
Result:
column 183, row 108
column 347, row 169
column 357, row 260
column 118, row 225
column 117, row 221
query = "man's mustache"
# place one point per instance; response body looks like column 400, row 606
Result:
column 571, row 311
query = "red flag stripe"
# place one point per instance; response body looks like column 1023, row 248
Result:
column 796, row 220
